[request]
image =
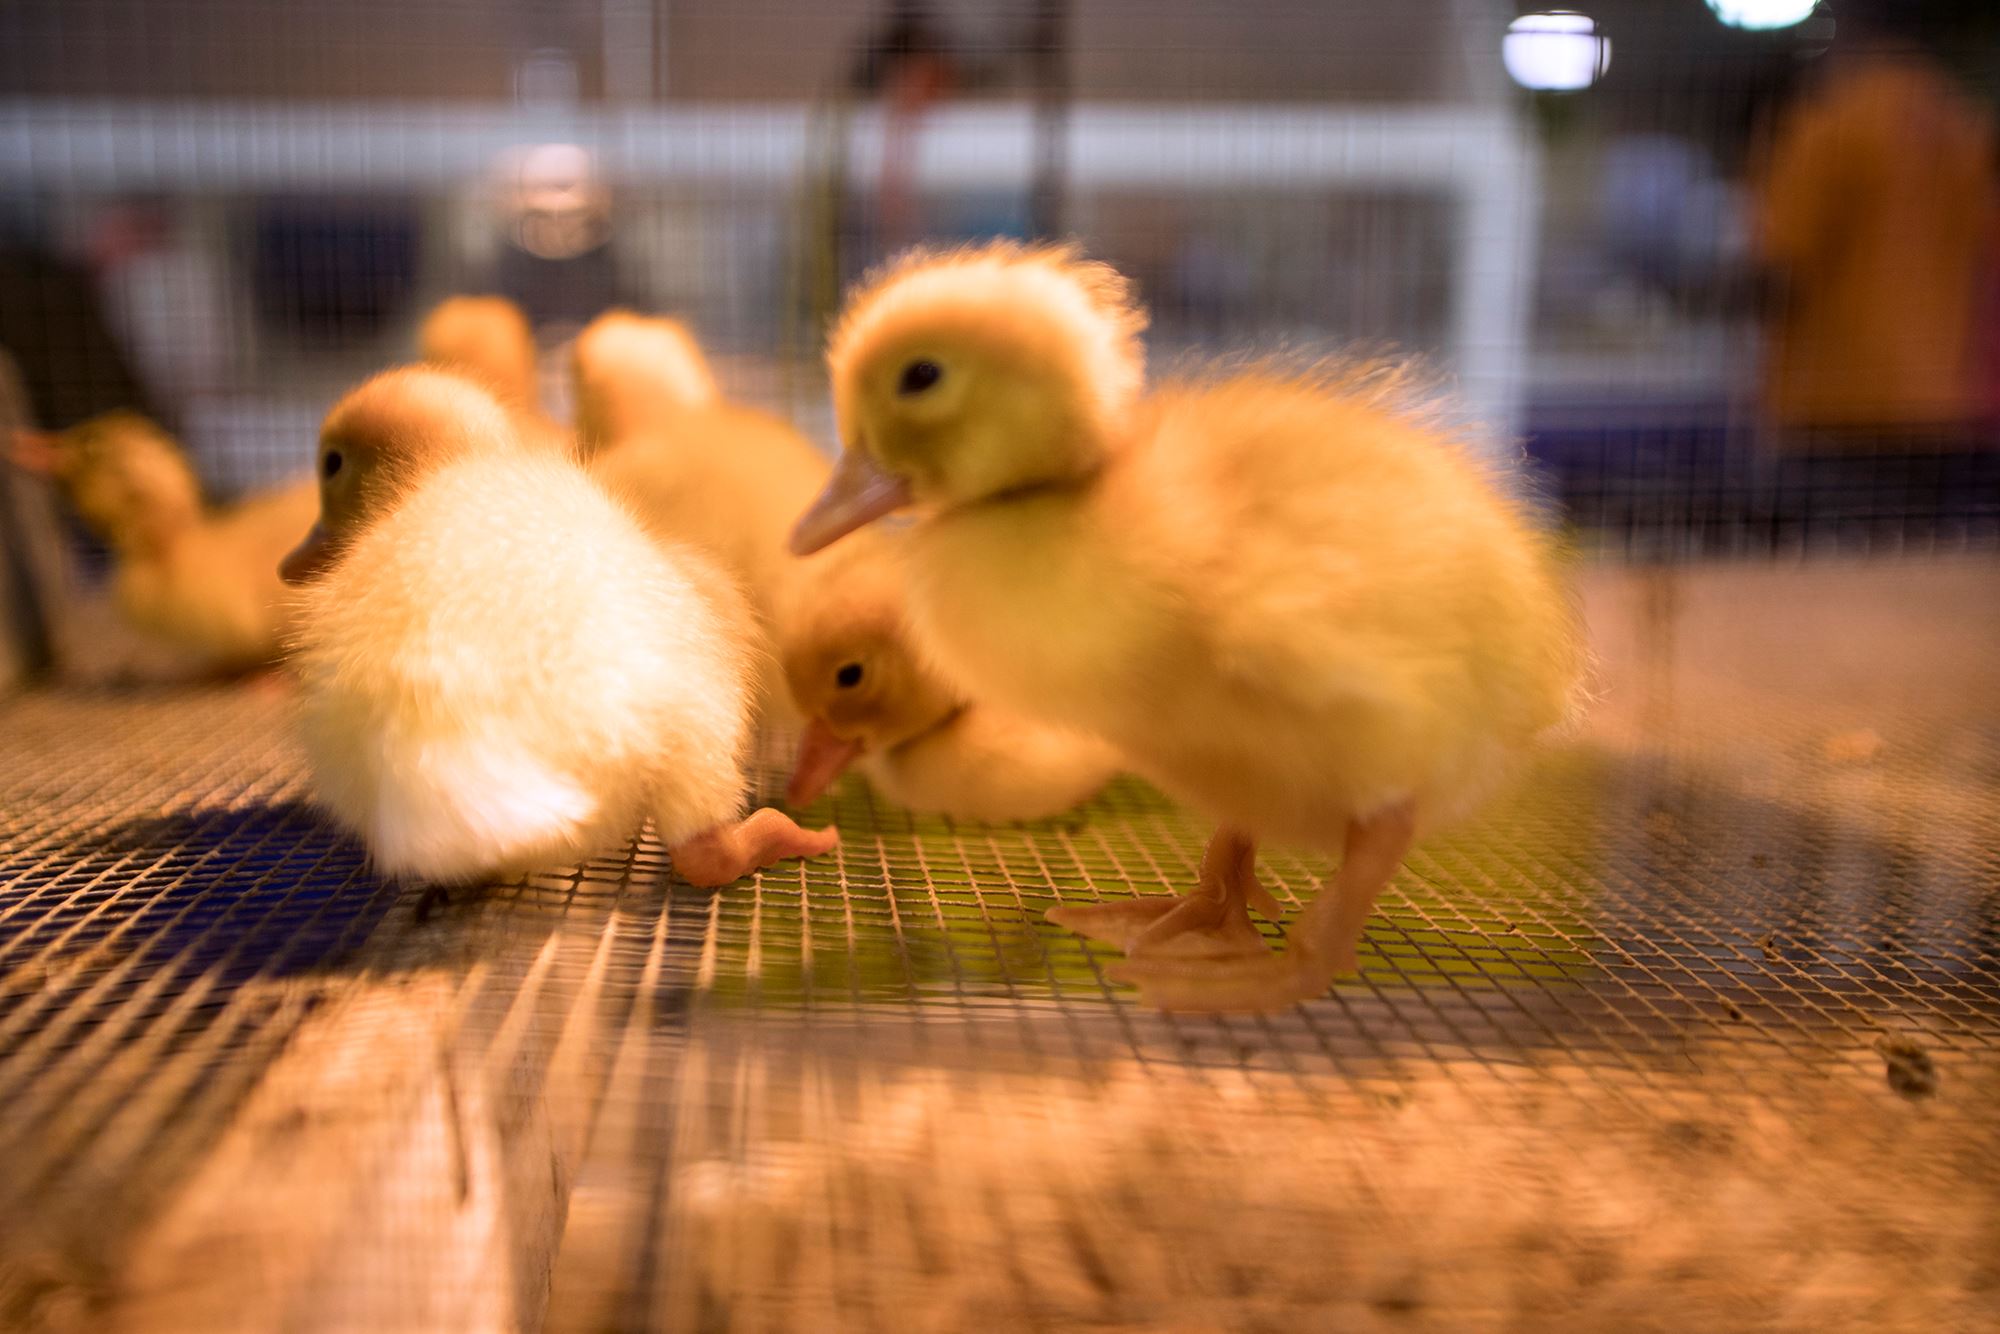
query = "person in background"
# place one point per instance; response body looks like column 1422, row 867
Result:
column 27, row 531
column 909, row 62
column 1990, row 342
column 166, row 300
column 65, row 363
column 1874, row 220
column 53, row 324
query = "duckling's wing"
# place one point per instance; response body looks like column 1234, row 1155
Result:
column 988, row 764
column 1356, row 555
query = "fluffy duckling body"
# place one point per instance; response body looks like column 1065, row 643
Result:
column 635, row 371
column 204, row 580
column 845, row 646
column 488, row 339
column 697, row 468
column 500, row 668
column 1284, row 598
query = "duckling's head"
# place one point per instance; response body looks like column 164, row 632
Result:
column 383, row 438
column 848, row 661
column 968, row 375
column 631, row 368
column 488, row 339
column 127, row 480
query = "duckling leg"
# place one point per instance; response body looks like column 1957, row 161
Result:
column 1320, row 945
column 729, row 852
column 1213, row 919
column 434, row 896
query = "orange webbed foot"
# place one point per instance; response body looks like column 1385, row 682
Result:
column 1192, row 925
column 1273, row 981
column 1212, row 920
column 729, row 852
column 1320, row 945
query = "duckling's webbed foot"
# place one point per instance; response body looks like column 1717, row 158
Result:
column 1244, row 983
column 1320, row 946
column 1213, row 920
column 729, row 852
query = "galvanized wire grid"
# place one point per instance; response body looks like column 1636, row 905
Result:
column 1699, row 1023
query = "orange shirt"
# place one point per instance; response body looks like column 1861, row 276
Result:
column 1877, row 211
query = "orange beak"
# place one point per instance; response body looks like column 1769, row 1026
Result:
column 823, row 757
column 857, row 494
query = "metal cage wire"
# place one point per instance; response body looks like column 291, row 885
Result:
column 1698, row 1025
column 1702, row 967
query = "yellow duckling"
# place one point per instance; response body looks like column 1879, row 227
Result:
column 204, row 580
column 489, row 339
column 845, row 647
column 698, row 469
column 500, row 669
column 635, row 372
column 1286, row 598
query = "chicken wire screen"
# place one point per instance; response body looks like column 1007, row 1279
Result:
column 1700, row 1022
column 1695, row 1026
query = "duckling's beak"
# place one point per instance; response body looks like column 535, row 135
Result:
column 823, row 757
column 858, row 493
column 309, row 558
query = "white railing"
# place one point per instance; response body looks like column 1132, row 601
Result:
column 1479, row 158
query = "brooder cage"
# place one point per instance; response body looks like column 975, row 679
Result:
column 1697, row 1025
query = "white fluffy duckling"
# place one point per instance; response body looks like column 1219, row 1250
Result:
column 697, row 468
column 845, row 646
column 500, row 668
column 1285, row 598
column 489, row 339
column 204, row 580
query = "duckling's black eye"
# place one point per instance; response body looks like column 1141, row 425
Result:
column 330, row 465
column 848, row 676
column 919, row 376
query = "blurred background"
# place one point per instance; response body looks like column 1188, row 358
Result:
column 1660, row 243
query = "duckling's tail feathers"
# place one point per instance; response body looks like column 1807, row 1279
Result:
column 453, row 810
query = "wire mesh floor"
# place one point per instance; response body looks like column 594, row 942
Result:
column 1696, row 1027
